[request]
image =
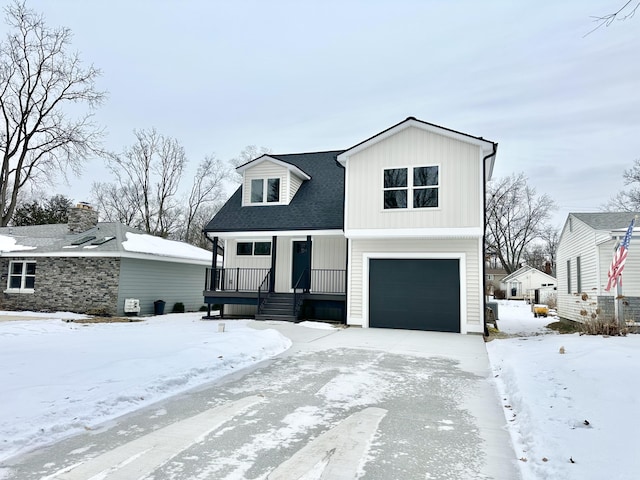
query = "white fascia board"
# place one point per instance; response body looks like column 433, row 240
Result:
column 276, row 233
column 464, row 232
column 134, row 255
column 265, row 158
column 485, row 145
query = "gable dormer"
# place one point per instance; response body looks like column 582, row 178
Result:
column 269, row 181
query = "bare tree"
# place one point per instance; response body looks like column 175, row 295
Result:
column 147, row 176
column 146, row 191
column 39, row 76
column 627, row 200
column 204, row 200
column 626, row 11
column 248, row 153
column 516, row 216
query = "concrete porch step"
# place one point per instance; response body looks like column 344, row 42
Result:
column 283, row 318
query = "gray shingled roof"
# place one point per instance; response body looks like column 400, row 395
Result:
column 318, row 204
column 606, row 220
column 56, row 239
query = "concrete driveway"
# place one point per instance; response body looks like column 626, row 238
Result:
column 340, row 404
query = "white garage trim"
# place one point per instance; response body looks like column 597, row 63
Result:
column 462, row 265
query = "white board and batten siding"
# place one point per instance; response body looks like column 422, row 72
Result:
column 327, row 252
column 467, row 250
column 460, row 182
column 172, row 282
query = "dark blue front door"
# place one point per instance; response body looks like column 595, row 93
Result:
column 301, row 265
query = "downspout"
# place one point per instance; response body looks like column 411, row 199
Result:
column 484, row 235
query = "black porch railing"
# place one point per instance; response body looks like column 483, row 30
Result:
column 235, row 279
column 263, row 290
column 329, row 281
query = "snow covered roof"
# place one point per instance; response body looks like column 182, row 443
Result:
column 106, row 239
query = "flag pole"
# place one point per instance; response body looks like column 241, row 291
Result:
column 619, row 305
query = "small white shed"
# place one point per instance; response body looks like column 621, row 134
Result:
column 523, row 283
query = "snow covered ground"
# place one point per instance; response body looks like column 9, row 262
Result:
column 571, row 415
column 59, row 378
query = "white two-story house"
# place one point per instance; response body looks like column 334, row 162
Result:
column 388, row 233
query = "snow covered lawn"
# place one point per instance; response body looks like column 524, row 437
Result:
column 58, row 378
column 578, row 406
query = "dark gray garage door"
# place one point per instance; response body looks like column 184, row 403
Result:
column 416, row 294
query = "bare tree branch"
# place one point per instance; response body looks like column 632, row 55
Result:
column 627, row 11
column 39, row 77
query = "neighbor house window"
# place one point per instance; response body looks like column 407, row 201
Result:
column 253, row 248
column 269, row 185
column 568, row 276
column 22, row 276
column 578, row 279
column 411, row 188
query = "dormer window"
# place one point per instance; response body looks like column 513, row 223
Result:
column 265, row 190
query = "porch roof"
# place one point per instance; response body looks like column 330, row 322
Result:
column 318, row 204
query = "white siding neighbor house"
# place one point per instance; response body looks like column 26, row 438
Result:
column 388, row 233
column 523, row 283
column 585, row 251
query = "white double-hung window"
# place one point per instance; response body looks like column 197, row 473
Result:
column 265, row 190
column 415, row 187
column 22, row 277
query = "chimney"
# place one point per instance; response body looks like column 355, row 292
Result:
column 81, row 218
column 547, row 267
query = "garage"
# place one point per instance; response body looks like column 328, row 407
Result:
column 415, row 294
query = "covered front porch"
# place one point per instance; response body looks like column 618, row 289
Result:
column 282, row 277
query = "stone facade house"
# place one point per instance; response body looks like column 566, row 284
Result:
column 87, row 266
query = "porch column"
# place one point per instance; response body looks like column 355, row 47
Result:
column 310, row 257
column 274, row 249
column 214, row 265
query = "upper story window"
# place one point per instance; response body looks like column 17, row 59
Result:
column 22, row 277
column 415, row 187
column 265, row 187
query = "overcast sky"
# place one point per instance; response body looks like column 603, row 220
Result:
column 301, row 76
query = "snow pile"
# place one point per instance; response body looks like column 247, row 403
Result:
column 60, row 378
column 143, row 243
column 8, row 244
column 569, row 400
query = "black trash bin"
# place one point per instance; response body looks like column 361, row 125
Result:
column 158, row 307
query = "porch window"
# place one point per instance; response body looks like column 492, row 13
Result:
column 244, row 248
column 262, row 248
column 269, row 185
column 253, row 248
column 423, row 190
column 22, row 277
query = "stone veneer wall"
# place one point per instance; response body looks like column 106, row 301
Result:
column 631, row 308
column 74, row 284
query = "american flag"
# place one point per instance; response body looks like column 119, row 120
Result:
column 617, row 265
